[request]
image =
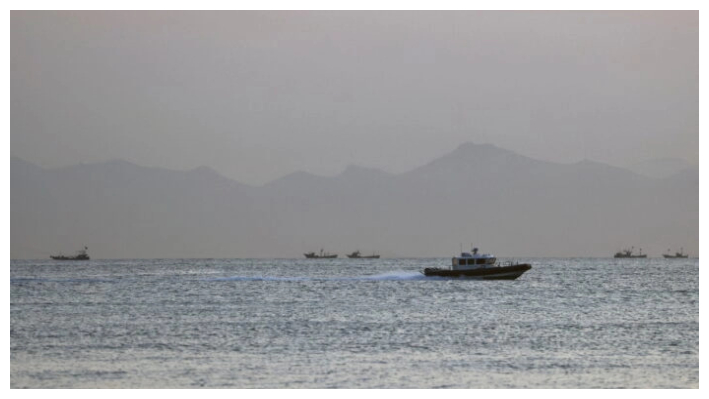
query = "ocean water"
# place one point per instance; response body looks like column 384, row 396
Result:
column 344, row 323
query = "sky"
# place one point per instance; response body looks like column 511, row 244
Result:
column 259, row 95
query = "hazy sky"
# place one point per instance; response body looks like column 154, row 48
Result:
column 257, row 95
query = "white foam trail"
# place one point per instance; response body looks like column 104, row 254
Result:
column 261, row 278
column 393, row 276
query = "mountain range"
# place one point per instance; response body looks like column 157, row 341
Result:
column 482, row 195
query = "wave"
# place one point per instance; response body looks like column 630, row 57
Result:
column 22, row 280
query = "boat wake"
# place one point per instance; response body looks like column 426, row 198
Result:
column 388, row 276
column 24, row 280
column 261, row 278
column 396, row 275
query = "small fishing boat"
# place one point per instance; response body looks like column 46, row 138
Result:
column 479, row 266
column 679, row 254
column 628, row 253
column 358, row 255
column 321, row 255
column 80, row 255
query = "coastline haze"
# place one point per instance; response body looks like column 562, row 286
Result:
column 494, row 198
column 259, row 95
column 258, row 134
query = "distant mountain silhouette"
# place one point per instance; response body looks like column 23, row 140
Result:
column 501, row 201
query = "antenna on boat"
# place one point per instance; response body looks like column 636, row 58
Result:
column 461, row 247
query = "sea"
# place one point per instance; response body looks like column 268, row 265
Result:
column 352, row 323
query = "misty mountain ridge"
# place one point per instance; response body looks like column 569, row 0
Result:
column 506, row 203
column 474, row 158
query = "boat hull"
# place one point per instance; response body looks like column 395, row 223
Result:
column 630, row 256
column 70, row 257
column 490, row 273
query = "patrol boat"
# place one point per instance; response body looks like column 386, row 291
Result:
column 479, row 266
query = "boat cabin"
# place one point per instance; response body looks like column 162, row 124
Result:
column 474, row 260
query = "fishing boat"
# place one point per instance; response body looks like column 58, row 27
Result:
column 679, row 254
column 628, row 253
column 479, row 266
column 321, row 255
column 358, row 255
column 80, row 255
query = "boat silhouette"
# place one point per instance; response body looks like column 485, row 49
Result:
column 358, row 255
column 628, row 253
column 80, row 255
column 321, row 255
column 679, row 254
